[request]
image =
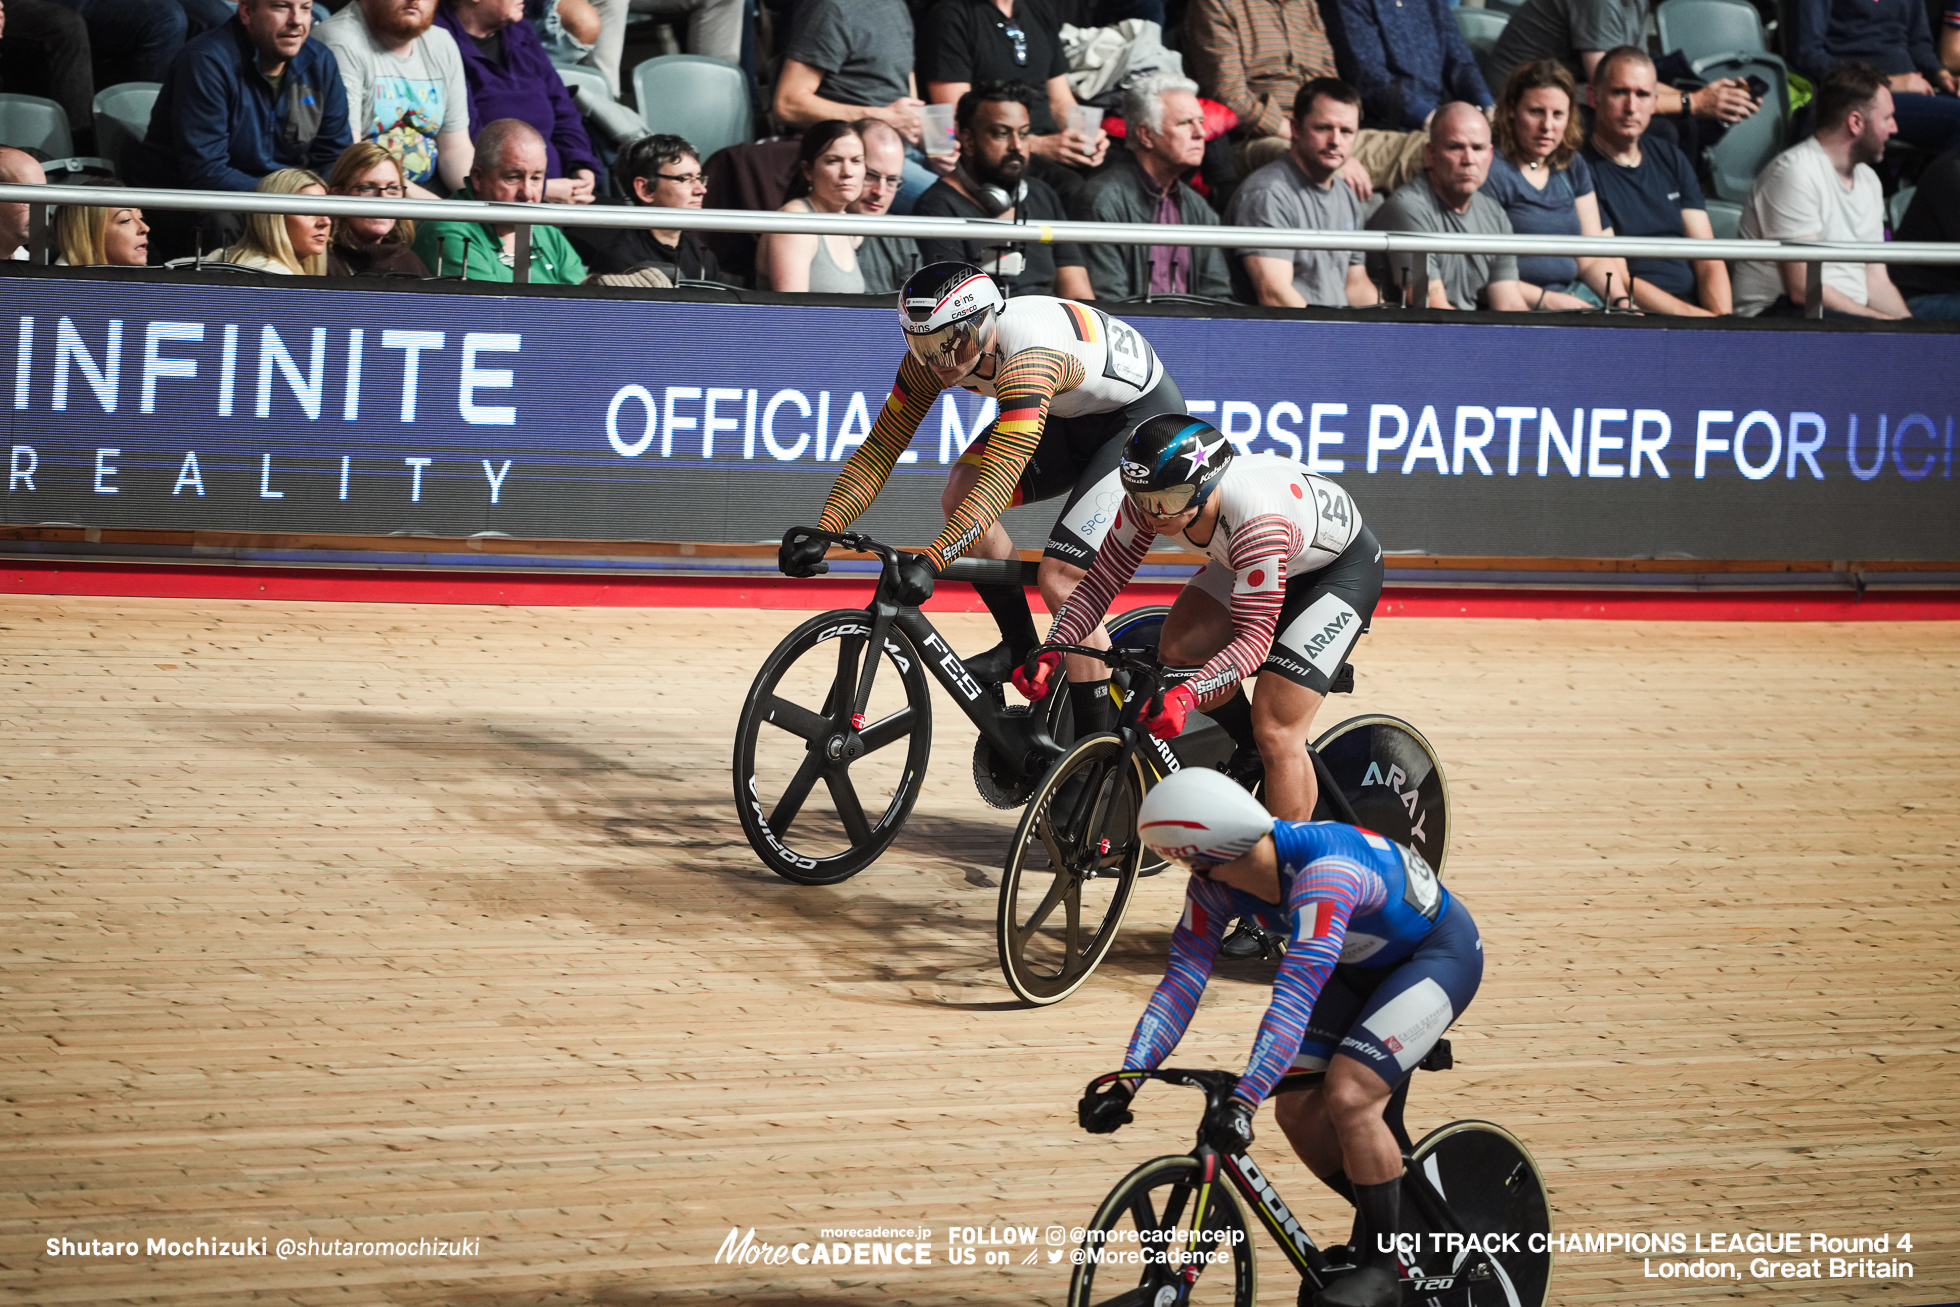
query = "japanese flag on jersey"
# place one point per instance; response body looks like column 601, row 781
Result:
column 1265, row 580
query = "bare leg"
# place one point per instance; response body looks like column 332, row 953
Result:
column 1355, row 1098
column 1282, row 718
column 1302, row 1116
column 1198, row 627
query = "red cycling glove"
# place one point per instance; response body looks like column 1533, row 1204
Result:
column 1043, row 680
column 1168, row 724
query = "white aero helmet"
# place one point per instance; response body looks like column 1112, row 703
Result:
column 1199, row 818
column 945, row 310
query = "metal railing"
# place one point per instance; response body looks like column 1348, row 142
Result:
column 986, row 232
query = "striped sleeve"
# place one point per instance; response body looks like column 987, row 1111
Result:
column 1116, row 562
column 1194, row 948
column 1325, row 894
column 861, row 478
column 1258, row 555
column 1026, row 384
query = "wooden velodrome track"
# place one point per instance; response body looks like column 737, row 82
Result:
column 379, row 922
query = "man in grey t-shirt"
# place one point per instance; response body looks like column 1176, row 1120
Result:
column 852, row 59
column 1445, row 199
column 1578, row 32
column 1303, row 190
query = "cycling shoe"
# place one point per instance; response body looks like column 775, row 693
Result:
column 1371, row 1286
column 992, row 667
column 1248, row 940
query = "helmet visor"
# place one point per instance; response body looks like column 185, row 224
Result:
column 1168, row 502
column 954, row 348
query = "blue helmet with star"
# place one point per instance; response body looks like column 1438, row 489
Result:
column 1171, row 462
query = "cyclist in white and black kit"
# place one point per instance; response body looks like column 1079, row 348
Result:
column 1071, row 381
column 1292, row 579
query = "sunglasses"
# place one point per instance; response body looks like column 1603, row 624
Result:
column 1020, row 40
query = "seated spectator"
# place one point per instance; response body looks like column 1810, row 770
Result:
column 569, row 29
column 832, row 167
column 510, row 76
column 289, row 244
column 713, row 28
column 44, row 51
column 508, row 169
column 1894, row 36
column 1253, row 56
column 1304, row 191
column 1578, row 33
column 17, row 169
column 1164, row 127
column 853, row 59
column 242, row 102
column 131, row 40
column 1932, row 290
column 1647, row 187
column 371, row 247
column 1445, row 199
column 92, row 235
column 663, row 171
column 1406, row 59
column 1546, row 189
column 968, row 43
column 995, row 127
column 405, row 88
column 1823, row 189
column 886, row 261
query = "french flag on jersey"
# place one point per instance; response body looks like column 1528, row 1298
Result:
column 1323, row 918
column 1374, row 841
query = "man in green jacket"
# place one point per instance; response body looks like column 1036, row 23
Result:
column 509, row 168
column 1165, row 128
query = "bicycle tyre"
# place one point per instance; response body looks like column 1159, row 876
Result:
column 1132, row 1201
column 1096, row 843
column 1492, row 1185
column 810, row 859
column 1368, row 755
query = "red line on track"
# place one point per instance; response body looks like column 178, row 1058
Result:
column 361, row 585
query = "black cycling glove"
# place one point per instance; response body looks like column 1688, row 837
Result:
column 1107, row 1112
column 1229, row 1125
column 802, row 555
column 912, row 581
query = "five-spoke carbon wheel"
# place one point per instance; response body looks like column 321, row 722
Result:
column 1492, row 1186
column 1070, row 871
column 1150, row 1245
column 820, row 798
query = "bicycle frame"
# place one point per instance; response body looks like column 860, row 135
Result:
column 1257, row 1191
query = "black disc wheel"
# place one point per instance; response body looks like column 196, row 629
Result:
column 1393, row 780
column 1165, row 1238
column 1070, row 871
column 821, row 796
column 1493, row 1188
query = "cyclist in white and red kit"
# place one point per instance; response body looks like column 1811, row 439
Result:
column 1291, row 581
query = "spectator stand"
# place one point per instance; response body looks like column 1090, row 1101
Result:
column 29, row 122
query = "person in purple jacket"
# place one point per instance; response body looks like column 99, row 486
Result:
column 1895, row 37
column 510, row 76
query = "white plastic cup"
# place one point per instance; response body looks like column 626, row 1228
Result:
column 939, row 140
column 1086, row 120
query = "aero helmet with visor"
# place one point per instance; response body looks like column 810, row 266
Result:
column 946, row 310
column 1199, row 818
column 1171, row 462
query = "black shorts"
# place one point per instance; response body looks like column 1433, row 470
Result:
column 1323, row 614
column 1077, row 457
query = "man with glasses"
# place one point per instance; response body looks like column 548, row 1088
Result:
column 663, row 171
column 885, row 261
column 996, row 133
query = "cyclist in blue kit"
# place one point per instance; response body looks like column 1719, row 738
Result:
column 1380, row 960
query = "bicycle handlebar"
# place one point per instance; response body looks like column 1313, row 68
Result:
column 1217, row 1085
column 973, row 571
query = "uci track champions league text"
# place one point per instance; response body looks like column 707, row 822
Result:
column 170, row 406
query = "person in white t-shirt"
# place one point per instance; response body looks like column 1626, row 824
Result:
column 1824, row 189
column 405, row 89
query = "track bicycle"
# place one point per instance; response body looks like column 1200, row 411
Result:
column 1476, row 1220
column 1076, row 857
column 831, row 745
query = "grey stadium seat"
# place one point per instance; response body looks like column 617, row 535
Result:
column 122, row 117
column 1701, row 29
column 1481, row 28
column 705, row 100
column 29, row 122
column 1734, row 161
column 1725, row 216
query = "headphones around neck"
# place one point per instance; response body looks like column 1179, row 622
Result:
column 993, row 201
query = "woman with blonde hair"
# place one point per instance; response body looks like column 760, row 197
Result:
column 289, row 244
column 1546, row 188
column 92, row 235
column 371, row 247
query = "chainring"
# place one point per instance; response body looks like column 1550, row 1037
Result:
column 1001, row 785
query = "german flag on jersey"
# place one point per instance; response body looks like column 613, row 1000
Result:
column 1087, row 329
